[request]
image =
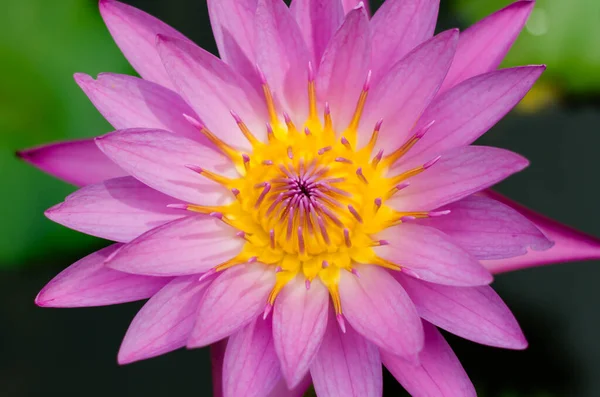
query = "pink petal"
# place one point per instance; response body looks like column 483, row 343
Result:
column 159, row 159
column 130, row 102
column 77, row 162
column 318, row 21
column 348, row 5
column 439, row 373
column 217, row 356
column 281, row 389
column 459, row 173
column 468, row 110
column 474, row 313
column 429, row 254
column 380, row 310
column 135, row 33
column 482, row 47
column 118, row 209
column 347, row 365
column 398, row 27
column 191, row 245
column 299, row 322
column 233, row 28
column 569, row 244
column 405, row 91
column 214, row 90
column 345, row 66
column 488, row 229
column 88, row 282
column 251, row 366
column 165, row 321
column 232, row 301
column 282, row 56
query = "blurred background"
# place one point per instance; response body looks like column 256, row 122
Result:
column 46, row 352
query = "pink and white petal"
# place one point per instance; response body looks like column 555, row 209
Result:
column 131, row 102
column 488, row 229
column 482, row 47
column 192, row 245
column 318, row 21
column 159, row 159
column 474, row 313
column 88, row 282
column 135, row 32
column 398, row 26
column 380, row 310
column 214, row 90
column 459, row 173
column 299, row 322
column 165, row 322
column 347, row 365
column 78, row 162
column 569, row 244
column 344, row 67
column 439, row 373
column 251, row 366
column 232, row 23
column 232, row 301
column 404, row 92
column 119, row 209
column 426, row 253
column 467, row 111
column 282, row 56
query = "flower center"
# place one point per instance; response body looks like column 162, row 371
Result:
column 309, row 201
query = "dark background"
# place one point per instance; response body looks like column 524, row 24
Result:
column 51, row 352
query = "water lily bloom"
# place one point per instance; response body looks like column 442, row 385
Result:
column 309, row 202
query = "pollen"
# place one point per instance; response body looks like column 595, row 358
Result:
column 308, row 201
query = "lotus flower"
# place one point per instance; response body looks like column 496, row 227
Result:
column 310, row 202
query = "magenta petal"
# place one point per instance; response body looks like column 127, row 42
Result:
column 233, row 300
column 299, row 322
column 404, row 92
column 347, row 365
column 380, row 310
column 165, row 322
column 459, row 173
column 88, row 282
column 348, row 5
column 482, row 47
column 77, row 162
column 191, row 245
column 399, row 26
column 474, row 313
column 281, row 389
column 282, row 56
column 488, row 229
column 344, row 67
column 119, row 209
column 217, row 356
column 130, row 102
column 429, row 254
column 569, row 244
column 251, row 366
column 318, row 20
column 160, row 159
column 439, row 373
column 232, row 23
column 467, row 111
column 135, row 33
column 214, row 90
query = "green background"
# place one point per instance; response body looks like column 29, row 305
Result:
column 47, row 352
